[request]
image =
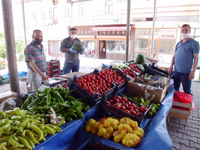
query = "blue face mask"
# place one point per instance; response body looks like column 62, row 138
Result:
column 38, row 41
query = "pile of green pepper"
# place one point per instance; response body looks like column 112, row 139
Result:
column 19, row 130
column 60, row 100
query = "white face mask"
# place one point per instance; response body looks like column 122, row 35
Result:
column 73, row 36
column 185, row 35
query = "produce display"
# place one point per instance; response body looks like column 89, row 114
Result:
column 78, row 47
column 140, row 59
column 60, row 100
column 139, row 100
column 154, row 108
column 125, row 105
column 123, row 130
column 129, row 72
column 93, row 83
column 134, row 68
column 146, row 76
column 44, row 111
column 21, row 130
column 111, row 76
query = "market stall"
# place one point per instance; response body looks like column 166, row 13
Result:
column 72, row 109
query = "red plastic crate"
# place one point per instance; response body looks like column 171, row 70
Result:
column 54, row 74
column 53, row 63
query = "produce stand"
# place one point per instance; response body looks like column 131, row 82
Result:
column 74, row 136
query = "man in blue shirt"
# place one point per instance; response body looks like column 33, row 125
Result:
column 185, row 60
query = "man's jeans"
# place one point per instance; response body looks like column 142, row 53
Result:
column 184, row 79
column 70, row 66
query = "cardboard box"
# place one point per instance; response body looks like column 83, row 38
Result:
column 7, row 95
column 134, row 89
column 69, row 76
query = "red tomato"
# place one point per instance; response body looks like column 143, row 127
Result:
column 126, row 105
column 136, row 110
column 130, row 107
column 116, row 100
column 117, row 105
column 133, row 112
column 127, row 111
column 111, row 101
column 143, row 109
column 122, row 108
column 128, row 102
column 124, row 99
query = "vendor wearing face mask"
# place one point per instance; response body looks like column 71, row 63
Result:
column 185, row 60
column 36, row 61
column 71, row 55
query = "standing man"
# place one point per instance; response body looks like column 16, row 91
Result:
column 185, row 60
column 36, row 61
column 71, row 56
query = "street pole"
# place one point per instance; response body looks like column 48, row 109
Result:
column 153, row 30
column 128, row 28
column 10, row 45
column 24, row 23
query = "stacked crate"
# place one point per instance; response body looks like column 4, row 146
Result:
column 53, row 68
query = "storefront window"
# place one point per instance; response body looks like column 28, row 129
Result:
column 167, row 46
column 136, row 53
column 51, row 47
column 141, row 45
column 144, row 33
column 116, row 46
column 56, row 47
column 197, row 33
column 89, row 48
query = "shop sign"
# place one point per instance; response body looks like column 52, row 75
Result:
column 167, row 33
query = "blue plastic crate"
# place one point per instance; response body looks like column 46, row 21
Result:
column 90, row 100
column 152, row 71
column 118, row 112
column 156, row 71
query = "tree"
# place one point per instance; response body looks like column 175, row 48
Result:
column 19, row 46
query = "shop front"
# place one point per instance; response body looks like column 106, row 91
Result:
column 164, row 43
column 112, row 42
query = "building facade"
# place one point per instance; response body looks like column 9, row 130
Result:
column 102, row 27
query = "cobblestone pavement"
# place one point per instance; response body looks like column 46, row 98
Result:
column 183, row 138
column 187, row 138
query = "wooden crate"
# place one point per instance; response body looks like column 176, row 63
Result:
column 178, row 113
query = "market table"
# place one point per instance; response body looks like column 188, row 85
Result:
column 74, row 136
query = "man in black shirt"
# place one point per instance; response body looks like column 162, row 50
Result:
column 71, row 56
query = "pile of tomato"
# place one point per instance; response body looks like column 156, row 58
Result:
column 129, row 72
column 93, row 83
column 125, row 105
column 111, row 76
column 135, row 68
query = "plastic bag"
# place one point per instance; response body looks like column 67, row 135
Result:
column 183, row 97
column 10, row 104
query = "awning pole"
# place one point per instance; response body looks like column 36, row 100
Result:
column 10, row 45
column 153, row 30
column 24, row 23
column 128, row 28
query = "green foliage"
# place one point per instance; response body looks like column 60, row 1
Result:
column 19, row 46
